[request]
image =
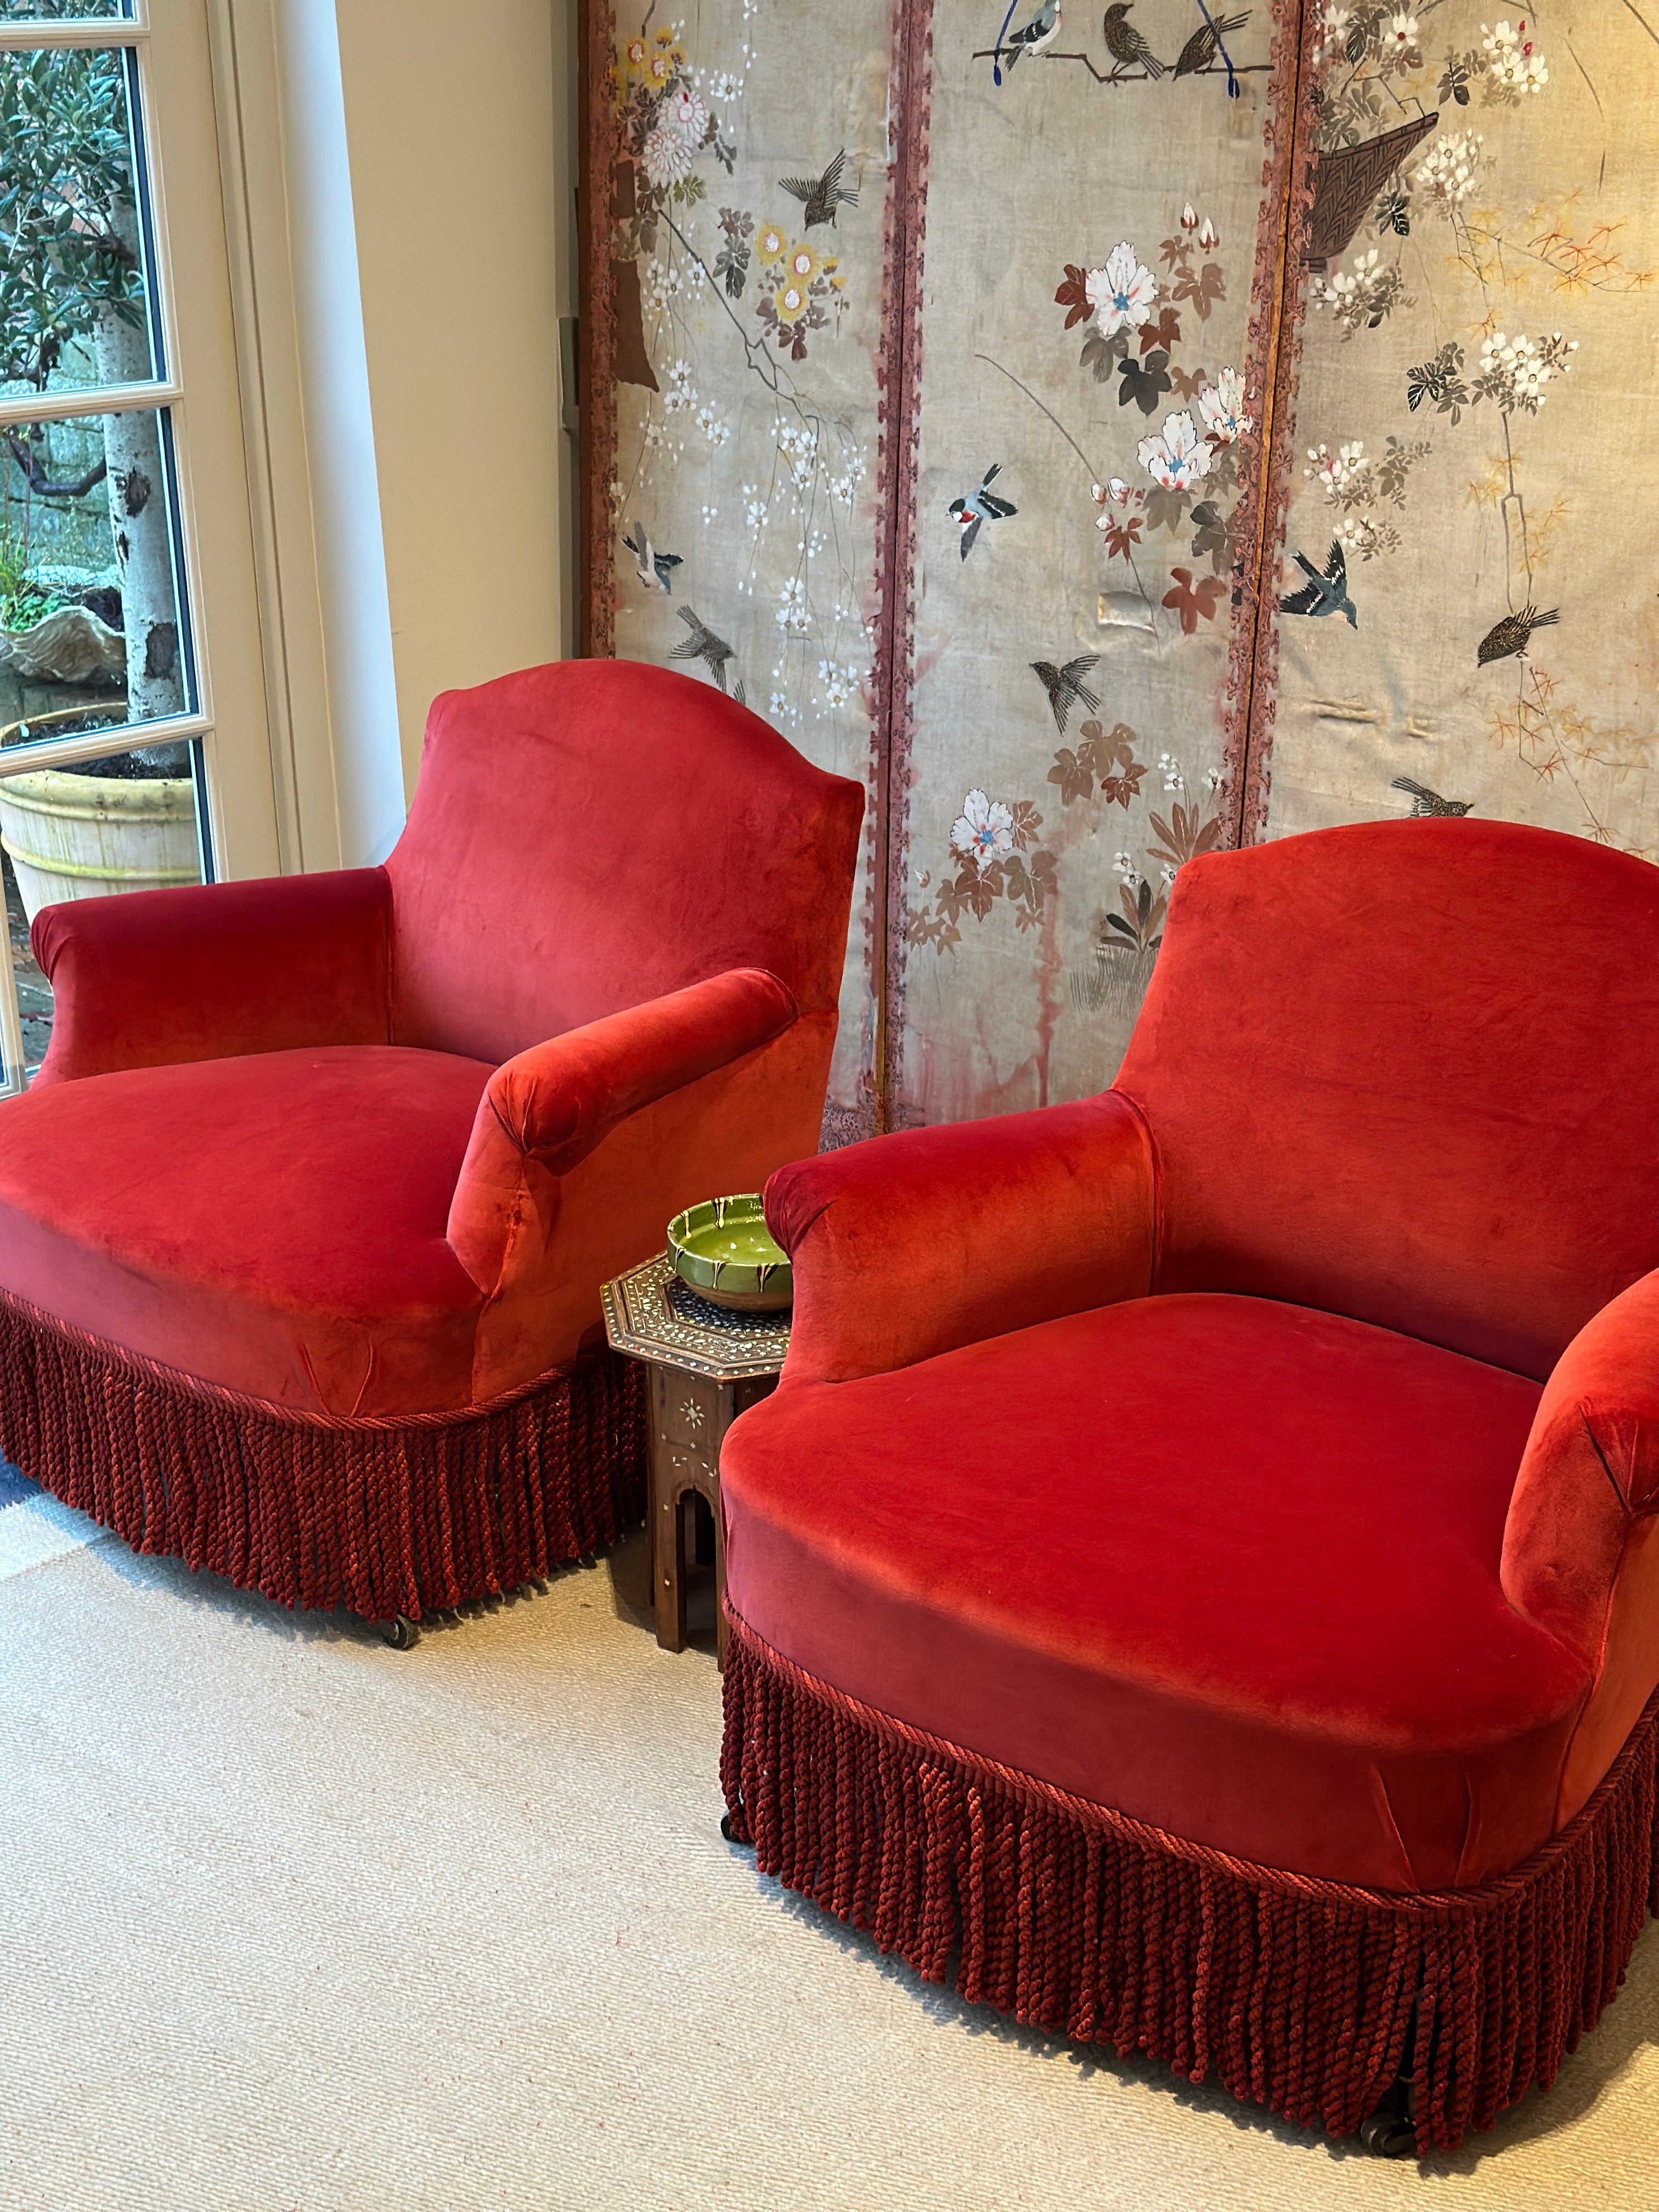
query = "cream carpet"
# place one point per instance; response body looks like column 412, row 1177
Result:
column 34, row 1527
column 290, row 1922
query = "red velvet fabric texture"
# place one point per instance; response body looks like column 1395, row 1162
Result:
column 275, row 1146
column 559, row 1237
column 158, row 977
column 589, row 835
column 1404, row 1071
column 937, row 1237
column 1581, row 1549
column 1248, row 1559
column 275, row 1224
column 557, row 1101
column 1227, row 1566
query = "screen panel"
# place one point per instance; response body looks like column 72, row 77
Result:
column 734, row 525
column 1468, row 622
column 1102, row 220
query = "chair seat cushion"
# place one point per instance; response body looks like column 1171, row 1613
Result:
column 273, row 1222
column 1226, row 1565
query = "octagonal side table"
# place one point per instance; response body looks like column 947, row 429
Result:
column 706, row 1365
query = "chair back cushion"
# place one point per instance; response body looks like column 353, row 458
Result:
column 1409, row 1071
column 588, row 836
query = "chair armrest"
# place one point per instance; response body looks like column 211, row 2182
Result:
column 1581, row 1541
column 547, row 1109
column 214, row 971
column 911, row 1245
column 1589, row 1473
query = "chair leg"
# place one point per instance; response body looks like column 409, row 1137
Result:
column 403, row 1630
column 1391, row 2130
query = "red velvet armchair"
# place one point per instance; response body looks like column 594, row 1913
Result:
column 1200, row 1569
column 303, row 1222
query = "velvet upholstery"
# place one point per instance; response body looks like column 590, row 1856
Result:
column 366, row 1144
column 1210, row 1560
column 319, row 1275
column 1581, row 1544
column 161, row 977
column 1404, row 1071
column 938, row 1238
column 1268, row 1449
column 669, row 836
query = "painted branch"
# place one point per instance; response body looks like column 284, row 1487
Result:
column 1118, row 73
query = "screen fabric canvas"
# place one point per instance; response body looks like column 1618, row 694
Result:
column 1108, row 439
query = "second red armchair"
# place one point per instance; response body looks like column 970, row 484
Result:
column 302, row 1226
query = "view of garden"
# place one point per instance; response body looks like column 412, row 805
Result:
column 92, row 631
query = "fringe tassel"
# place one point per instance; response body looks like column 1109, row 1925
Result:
column 384, row 1516
column 1297, row 1994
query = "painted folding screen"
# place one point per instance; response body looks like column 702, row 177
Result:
column 1476, row 414
column 1082, row 351
column 741, row 175
column 1111, row 434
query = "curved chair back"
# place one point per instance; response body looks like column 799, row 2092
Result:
column 588, row 835
column 1409, row 1071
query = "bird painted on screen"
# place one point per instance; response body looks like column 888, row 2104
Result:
column 1126, row 46
column 1424, row 801
column 1325, row 594
column 703, row 645
column 656, row 569
column 1065, row 687
column 1039, row 31
column 977, row 507
column 822, row 195
column 1513, row 634
column 1200, row 50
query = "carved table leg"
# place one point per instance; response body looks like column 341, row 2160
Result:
column 689, row 1416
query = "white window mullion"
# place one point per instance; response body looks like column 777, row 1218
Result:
column 80, row 407
column 129, row 27
column 95, row 744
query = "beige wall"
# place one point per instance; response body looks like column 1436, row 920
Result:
column 458, row 124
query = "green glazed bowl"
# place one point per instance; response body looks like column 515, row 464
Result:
column 724, row 1250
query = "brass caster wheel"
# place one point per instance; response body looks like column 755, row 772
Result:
column 1388, row 2134
column 731, row 1835
column 402, row 1634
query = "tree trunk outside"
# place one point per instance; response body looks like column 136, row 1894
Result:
column 138, row 519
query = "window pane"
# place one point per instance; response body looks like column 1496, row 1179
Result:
column 89, row 603
column 59, row 11
column 75, row 309
column 124, row 823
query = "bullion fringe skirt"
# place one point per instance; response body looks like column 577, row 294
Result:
column 1304, row 1996
column 384, row 1516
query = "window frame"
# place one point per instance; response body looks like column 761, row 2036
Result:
column 131, row 31
column 236, row 830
